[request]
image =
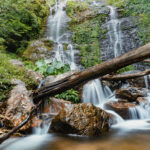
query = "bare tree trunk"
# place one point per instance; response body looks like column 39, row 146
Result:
column 62, row 85
column 125, row 77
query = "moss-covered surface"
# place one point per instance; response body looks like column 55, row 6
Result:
column 8, row 72
column 140, row 10
column 86, row 26
column 38, row 49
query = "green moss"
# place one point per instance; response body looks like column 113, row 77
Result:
column 125, row 69
column 140, row 12
column 40, row 48
column 8, row 72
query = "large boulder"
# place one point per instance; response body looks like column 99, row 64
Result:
column 81, row 119
column 39, row 49
column 18, row 107
column 55, row 105
column 131, row 93
column 121, row 108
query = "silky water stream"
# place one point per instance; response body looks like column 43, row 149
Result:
column 133, row 134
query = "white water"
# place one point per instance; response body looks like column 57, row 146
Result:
column 147, row 78
column 114, row 31
column 57, row 32
column 95, row 93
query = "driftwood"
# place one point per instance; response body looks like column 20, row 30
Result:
column 125, row 77
column 15, row 129
column 97, row 71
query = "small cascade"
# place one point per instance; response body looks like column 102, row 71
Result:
column 146, row 79
column 142, row 111
column 114, row 31
column 138, row 112
column 116, row 117
column 45, row 125
column 95, row 92
column 57, row 32
column 71, row 59
column 59, row 55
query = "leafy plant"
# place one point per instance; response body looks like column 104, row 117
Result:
column 9, row 72
column 46, row 68
column 70, row 95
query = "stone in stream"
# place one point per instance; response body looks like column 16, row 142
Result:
column 55, row 105
column 142, row 100
column 131, row 93
column 121, row 108
column 81, row 119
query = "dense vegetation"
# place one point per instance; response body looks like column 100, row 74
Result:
column 140, row 10
column 86, row 27
column 9, row 72
column 21, row 21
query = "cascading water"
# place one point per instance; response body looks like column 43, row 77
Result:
column 146, row 79
column 114, row 31
column 95, row 92
column 57, row 32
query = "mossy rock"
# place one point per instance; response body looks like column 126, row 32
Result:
column 39, row 49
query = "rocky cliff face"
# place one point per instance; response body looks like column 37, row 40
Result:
column 128, row 36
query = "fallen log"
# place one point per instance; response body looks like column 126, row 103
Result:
column 62, row 85
column 78, row 78
column 125, row 77
column 15, row 129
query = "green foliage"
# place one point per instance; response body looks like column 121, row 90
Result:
column 21, row 21
column 55, row 68
column 86, row 35
column 86, row 30
column 75, row 8
column 140, row 10
column 125, row 69
column 8, row 72
column 70, row 95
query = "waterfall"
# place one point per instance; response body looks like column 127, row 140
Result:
column 146, row 79
column 57, row 32
column 71, row 60
column 114, row 31
column 138, row 112
column 95, row 92
column 59, row 55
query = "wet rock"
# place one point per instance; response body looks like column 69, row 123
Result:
column 120, row 108
column 18, row 108
column 55, row 105
column 39, row 49
column 81, row 119
column 3, row 131
column 142, row 100
column 131, row 93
